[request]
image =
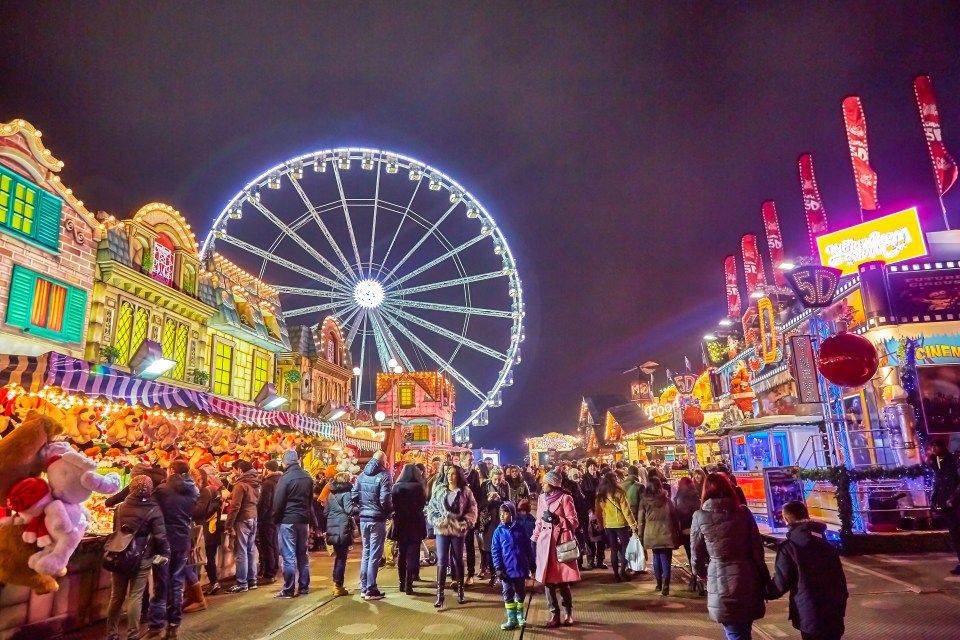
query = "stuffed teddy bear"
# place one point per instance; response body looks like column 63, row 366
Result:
column 347, row 460
column 24, row 403
column 73, row 478
column 126, row 429
column 21, row 457
column 80, row 423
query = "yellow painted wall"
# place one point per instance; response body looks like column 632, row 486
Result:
column 242, row 375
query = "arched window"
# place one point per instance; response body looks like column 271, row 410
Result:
column 332, row 348
column 189, row 282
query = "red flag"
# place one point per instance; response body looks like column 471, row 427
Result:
column 944, row 166
column 813, row 207
column 864, row 174
column 734, row 306
column 752, row 265
column 771, row 226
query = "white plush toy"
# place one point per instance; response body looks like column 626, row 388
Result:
column 72, row 478
column 348, row 460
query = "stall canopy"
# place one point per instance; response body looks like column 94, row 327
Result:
column 78, row 376
column 752, row 425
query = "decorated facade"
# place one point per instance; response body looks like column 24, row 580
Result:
column 421, row 405
column 316, row 374
column 48, row 241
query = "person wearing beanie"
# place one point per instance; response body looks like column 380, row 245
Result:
column 138, row 513
column 556, row 525
column 510, row 555
column 268, row 540
column 293, row 512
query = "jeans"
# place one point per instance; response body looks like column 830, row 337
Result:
column 738, row 631
column 550, row 590
column 617, row 539
column 661, row 565
column 449, row 554
column 296, row 564
column 119, row 584
column 246, row 546
column 191, row 574
column 471, row 543
column 211, row 567
column 374, row 534
column 166, row 605
column 340, row 552
column 408, row 561
column 514, row 590
column 268, row 545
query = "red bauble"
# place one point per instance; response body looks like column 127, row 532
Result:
column 693, row 416
column 848, row 360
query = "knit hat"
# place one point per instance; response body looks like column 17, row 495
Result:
column 552, row 478
column 141, row 487
column 290, row 457
column 27, row 493
column 574, row 475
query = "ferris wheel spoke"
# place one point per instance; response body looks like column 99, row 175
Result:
column 381, row 343
column 323, row 227
column 449, row 254
column 452, row 308
column 406, row 211
column 363, row 349
column 373, row 232
column 355, row 314
column 450, row 283
column 346, row 215
column 356, row 327
column 393, row 344
column 422, row 239
column 302, row 291
column 476, row 346
column 334, row 307
column 267, row 255
column 293, row 235
column 443, row 364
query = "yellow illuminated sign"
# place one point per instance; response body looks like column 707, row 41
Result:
column 768, row 330
column 893, row 238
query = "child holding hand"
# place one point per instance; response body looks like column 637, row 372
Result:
column 511, row 555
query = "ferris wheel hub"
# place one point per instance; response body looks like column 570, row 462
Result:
column 368, row 294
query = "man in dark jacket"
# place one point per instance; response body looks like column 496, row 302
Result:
column 809, row 568
column 177, row 498
column 292, row 510
column 589, row 485
column 242, row 524
column 946, row 491
column 474, row 480
column 371, row 493
column 268, row 541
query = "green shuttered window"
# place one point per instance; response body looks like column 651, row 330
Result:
column 29, row 212
column 45, row 307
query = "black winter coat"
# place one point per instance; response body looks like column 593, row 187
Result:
column 809, row 568
column 475, row 484
column 177, row 498
column 293, row 497
column 340, row 513
column 146, row 518
column 946, row 480
column 209, row 505
column 157, row 474
column 409, row 521
column 268, row 486
column 687, row 503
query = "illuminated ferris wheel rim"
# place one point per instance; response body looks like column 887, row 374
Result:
column 369, row 293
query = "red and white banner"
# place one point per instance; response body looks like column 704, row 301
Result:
column 863, row 173
column 813, row 207
column 734, row 306
column 771, row 227
column 944, row 166
column 753, row 273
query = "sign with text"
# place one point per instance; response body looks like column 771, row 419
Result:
column 815, row 285
column 804, row 368
column 893, row 238
column 924, row 293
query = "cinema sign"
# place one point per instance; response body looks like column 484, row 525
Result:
column 893, row 238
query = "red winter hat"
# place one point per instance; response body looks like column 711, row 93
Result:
column 27, row 493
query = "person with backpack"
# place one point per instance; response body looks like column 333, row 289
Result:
column 140, row 518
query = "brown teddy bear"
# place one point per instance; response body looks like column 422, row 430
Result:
column 125, row 429
column 80, row 424
column 21, row 457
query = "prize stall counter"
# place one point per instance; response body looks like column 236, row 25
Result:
column 762, row 453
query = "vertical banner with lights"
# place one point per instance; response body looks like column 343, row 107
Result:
column 944, row 166
column 813, row 208
column 771, row 227
column 863, row 173
column 753, row 273
column 734, row 305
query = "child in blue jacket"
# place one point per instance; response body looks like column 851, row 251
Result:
column 529, row 523
column 511, row 556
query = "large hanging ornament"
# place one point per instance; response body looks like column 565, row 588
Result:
column 693, row 416
column 848, row 360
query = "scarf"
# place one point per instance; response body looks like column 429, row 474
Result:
column 553, row 496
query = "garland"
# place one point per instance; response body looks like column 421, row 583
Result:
column 841, row 478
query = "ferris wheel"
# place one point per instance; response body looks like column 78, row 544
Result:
column 411, row 264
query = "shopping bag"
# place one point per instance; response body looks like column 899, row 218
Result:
column 594, row 531
column 636, row 559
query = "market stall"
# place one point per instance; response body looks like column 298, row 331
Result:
column 546, row 449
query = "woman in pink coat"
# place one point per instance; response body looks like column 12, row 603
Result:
column 557, row 522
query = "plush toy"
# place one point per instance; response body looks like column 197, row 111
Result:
column 741, row 392
column 125, row 429
column 73, row 478
column 347, row 460
column 21, row 457
column 80, row 423
column 29, row 498
column 24, row 403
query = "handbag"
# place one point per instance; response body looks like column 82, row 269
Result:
column 568, row 550
column 198, row 550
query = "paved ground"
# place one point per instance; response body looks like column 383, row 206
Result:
column 892, row 597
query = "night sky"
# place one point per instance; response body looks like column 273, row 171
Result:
column 622, row 147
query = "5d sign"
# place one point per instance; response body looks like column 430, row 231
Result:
column 815, row 285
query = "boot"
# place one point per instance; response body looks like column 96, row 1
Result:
column 692, row 586
column 519, row 611
column 567, row 617
column 511, row 622
column 338, row 591
column 172, row 633
column 441, row 585
column 460, row 597
column 666, row 588
column 194, row 600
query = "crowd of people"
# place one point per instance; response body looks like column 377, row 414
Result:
column 542, row 524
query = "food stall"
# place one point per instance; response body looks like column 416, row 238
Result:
column 547, row 448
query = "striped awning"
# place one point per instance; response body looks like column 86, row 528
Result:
column 364, row 445
column 30, row 372
column 79, row 376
